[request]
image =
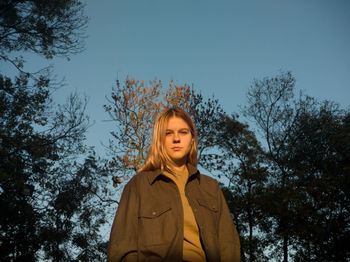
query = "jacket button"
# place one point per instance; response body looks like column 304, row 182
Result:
column 154, row 213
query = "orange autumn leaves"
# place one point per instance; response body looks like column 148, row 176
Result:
column 133, row 107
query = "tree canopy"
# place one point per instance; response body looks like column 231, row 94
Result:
column 51, row 183
column 48, row 28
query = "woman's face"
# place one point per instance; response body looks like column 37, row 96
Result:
column 178, row 140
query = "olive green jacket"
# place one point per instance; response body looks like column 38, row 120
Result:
column 148, row 225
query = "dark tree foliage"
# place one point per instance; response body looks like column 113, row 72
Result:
column 51, row 184
column 208, row 117
column 20, row 158
column 71, row 222
column 273, row 108
column 49, row 200
column 320, row 158
column 241, row 162
column 306, row 197
column 48, row 28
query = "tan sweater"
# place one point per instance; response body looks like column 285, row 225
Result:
column 192, row 248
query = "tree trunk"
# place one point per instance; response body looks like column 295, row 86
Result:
column 285, row 249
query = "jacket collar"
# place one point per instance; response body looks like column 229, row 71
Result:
column 154, row 174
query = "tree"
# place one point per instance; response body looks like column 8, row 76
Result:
column 320, row 158
column 273, row 108
column 240, row 160
column 73, row 215
column 50, row 199
column 18, row 158
column 48, row 28
column 133, row 108
column 306, row 195
column 52, row 191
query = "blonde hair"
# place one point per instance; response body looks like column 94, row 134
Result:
column 157, row 157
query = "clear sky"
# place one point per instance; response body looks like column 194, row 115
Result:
column 218, row 46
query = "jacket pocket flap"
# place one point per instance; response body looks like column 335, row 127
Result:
column 209, row 203
column 154, row 211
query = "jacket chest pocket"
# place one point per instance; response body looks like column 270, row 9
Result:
column 209, row 210
column 156, row 224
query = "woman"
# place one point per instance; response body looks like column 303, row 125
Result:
column 169, row 211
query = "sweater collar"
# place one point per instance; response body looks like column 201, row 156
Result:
column 153, row 175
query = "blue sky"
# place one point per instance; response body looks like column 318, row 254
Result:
column 218, row 46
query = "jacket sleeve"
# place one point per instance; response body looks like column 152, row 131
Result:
column 228, row 235
column 123, row 238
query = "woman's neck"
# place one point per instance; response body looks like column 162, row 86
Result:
column 176, row 168
column 179, row 169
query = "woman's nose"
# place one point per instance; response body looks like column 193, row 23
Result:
column 176, row 138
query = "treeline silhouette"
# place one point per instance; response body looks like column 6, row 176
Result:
column 284, row 169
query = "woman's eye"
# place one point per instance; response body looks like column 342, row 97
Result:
column 184, row 132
